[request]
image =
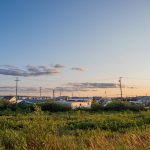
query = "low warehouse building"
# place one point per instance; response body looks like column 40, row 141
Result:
column 74, row 104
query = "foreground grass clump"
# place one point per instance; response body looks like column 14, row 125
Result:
column 75, row 130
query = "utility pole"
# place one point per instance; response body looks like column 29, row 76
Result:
column 53, row 94
column 106, row 93
column 40, row 92
column 17, row 80
column 60, row 93
column 120, row 85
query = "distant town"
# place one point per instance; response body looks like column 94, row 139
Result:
column 75, row 102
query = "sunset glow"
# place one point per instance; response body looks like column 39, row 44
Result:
column 78, row 48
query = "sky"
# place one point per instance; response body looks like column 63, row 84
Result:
column 78, row 47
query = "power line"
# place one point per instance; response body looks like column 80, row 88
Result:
column 135, row 78
column 67, row 80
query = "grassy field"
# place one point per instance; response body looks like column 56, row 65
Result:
column 75, row 130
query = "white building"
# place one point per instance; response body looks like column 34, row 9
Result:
column 77, row 103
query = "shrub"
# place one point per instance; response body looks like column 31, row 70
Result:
column 11, row 140
column 54, row 107
column 117, row 106
column 4, row 104
column 114, row 106
column 117, row 124
column 136, row 107
column 96, row 107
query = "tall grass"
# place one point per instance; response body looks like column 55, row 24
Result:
column 75, row 130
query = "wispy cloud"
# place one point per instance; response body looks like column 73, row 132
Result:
column 28, row 89
column 88, row 85
column 131, row 87
column 59, row 66
column 85, row 87
column 9, row 66
column 71, row 89
column 20, row 89
column 28, row 71
column 7, row 88
column 77, row 68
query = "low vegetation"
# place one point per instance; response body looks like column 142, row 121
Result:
column 42, row 128
column 118, row 106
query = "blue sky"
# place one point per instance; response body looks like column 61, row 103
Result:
column 107, row 39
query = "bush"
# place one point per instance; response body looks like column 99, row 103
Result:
column 136, row 107
column 117, row 124
column 4, row 104
column 54, row 107
column 114, row 124
column 118, row 106
column 11, row 140
column 97, row 107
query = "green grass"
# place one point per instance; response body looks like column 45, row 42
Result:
column 74, row 130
